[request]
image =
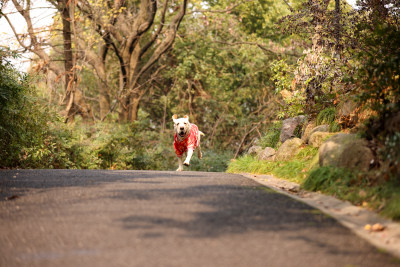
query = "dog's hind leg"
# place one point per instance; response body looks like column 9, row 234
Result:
column 180, row 168
column 199, row 154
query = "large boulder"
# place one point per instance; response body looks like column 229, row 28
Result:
column 267, row 154
column 316, row 139
column 319, row 128
column 289, row 125
column 332, row 149
column 254, row 150
column 346, row 150
column 307, row 130
column 288, row 149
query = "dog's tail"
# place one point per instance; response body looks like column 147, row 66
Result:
column 201, row 133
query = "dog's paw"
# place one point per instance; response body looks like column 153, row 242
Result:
column 179, row 169
column 186, row 163
column 200, row 155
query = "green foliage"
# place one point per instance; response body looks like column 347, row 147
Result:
column 212, row 161
column 294, row 99
column 225, row 89
column 356, row 188
column 380, row 72
column 390, row 154
column 392, row 149
column 329, row 178
column 260, row 17
column 379, row 78
column 328, row 116
column 134, row 146
column 293, row 170
column 248, row 164
column 392, row 209
column 272, row 134
column 26, row 138
column 33, row 136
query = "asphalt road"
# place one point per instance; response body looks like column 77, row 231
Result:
column 146, row 218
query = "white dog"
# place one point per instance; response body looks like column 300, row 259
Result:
column 186, row 139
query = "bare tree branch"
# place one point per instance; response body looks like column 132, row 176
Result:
column 157, row 33
column 165, row 45
column 289, row 6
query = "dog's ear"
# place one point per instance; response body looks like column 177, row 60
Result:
column 174, row 117
column 186, row 117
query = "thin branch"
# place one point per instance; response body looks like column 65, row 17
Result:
column 164, row 46
column 289, row 6
column 156, row 34
column 17, row 35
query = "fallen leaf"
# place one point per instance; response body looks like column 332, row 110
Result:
column 377, row 227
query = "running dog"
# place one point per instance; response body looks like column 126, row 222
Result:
column 186, row 139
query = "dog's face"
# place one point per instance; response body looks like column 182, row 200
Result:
column 181, row 125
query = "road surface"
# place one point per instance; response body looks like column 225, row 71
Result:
column 147, row 218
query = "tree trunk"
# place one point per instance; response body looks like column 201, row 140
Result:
column 74, row 100
column 129, row 108
column 104, row 100
column 68, row 57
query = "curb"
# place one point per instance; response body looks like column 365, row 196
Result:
column 353, row 217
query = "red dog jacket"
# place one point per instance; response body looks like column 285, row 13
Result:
column 191, row 141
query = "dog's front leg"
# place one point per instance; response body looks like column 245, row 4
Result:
column 180, row 168
column 189, row 156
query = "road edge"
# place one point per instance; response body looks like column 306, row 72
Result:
column 353, row 217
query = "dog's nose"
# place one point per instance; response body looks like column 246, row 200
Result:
column 182, row 128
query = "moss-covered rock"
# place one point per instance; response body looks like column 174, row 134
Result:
column 289, row 126
column 288, row 149
column 316, row 139
column 254, row 150
column 267, row 154
column 319, row 128
column 346, row 150
column 307, row 130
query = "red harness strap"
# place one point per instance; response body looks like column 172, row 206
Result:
column 189, row 142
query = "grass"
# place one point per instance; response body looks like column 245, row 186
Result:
column 294, row 170
column 358, row 188
column 383, row 196
column 271, row 138
column 328, row 116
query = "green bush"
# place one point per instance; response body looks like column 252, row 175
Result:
column 212, row 161
column 26, row 138
column 272, row 134
column 379, row 74
column 328, row 116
